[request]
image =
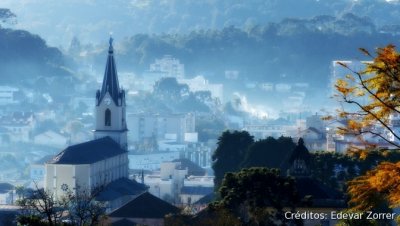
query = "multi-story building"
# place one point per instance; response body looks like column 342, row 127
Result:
column 7, row 95
column 168, row 66
column 199, row 83
column 176, row 127
column 162, row 68
column 175, row 184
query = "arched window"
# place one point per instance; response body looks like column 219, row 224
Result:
column 107, row 118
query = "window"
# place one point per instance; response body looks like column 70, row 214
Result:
column 107, row 118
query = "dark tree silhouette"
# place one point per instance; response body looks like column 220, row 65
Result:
column 232, row 147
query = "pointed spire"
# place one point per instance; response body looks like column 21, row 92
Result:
column 110, row 48
column 110, row 80
column 142, row 177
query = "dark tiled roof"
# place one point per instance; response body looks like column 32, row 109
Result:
column 198, row 190
column 120, row 188
column 315, row 130
column 5, row 187
column 145, row 205
column 110, row 80
column 193, row 168
column 88, row 152
column 123, row 222
column 206, row 199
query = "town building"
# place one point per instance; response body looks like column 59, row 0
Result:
column 7, row 95
column 50, row 138
column 37, row 169
column 103, row 161
column 178, row 128
column 145, row 209
column 17, row 126
column 180, row 182
column 169, row 66
column 199, row 83
column 162, row 68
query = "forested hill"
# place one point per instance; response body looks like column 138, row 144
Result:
column 25, row 56
column 294, row 50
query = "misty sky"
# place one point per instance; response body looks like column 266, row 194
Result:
column 90, row 20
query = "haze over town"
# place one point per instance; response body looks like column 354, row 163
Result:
column 165, row 79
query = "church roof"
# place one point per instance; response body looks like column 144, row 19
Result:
column 88, row 152
column 110, row 80
column 145, row 205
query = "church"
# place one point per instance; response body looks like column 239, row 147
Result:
column 102, row 162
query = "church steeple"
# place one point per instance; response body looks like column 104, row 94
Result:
column 110, row 80
column 110, row 105
column 299, row 160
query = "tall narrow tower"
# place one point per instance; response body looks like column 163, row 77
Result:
column 110, row 105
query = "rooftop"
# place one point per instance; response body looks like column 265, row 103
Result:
column 88, row 152
column 120, row 188
column 145, row 205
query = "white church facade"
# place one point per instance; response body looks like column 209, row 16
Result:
column 104, row 160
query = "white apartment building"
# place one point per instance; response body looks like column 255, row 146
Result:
column 199, row 83
column 174, row 127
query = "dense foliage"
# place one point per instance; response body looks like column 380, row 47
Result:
column 231, row 150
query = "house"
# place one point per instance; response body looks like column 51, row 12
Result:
column 190, row 195
column 200, row 153
column 37, row 168
column 314, row 139
column 151, row 161
column 7, row 194
column 323, row 199
column 7, row 95
column 145, row 209
column 19, row 126
column 173, row 176
column 50, row 138
column 119, row 192
column 199, row 83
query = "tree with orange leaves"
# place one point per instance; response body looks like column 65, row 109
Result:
column 377, row 187
column 375, row 94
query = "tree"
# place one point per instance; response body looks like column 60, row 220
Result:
column 79, row 206
column 231, row 150
column 7, row 17
column 270, row 152
column 83, row 208
column 379, row 83
column 169, row 89
column 258, row 196
column 42, row 204
column 377, row 187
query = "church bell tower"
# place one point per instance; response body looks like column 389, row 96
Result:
column 110, row 105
